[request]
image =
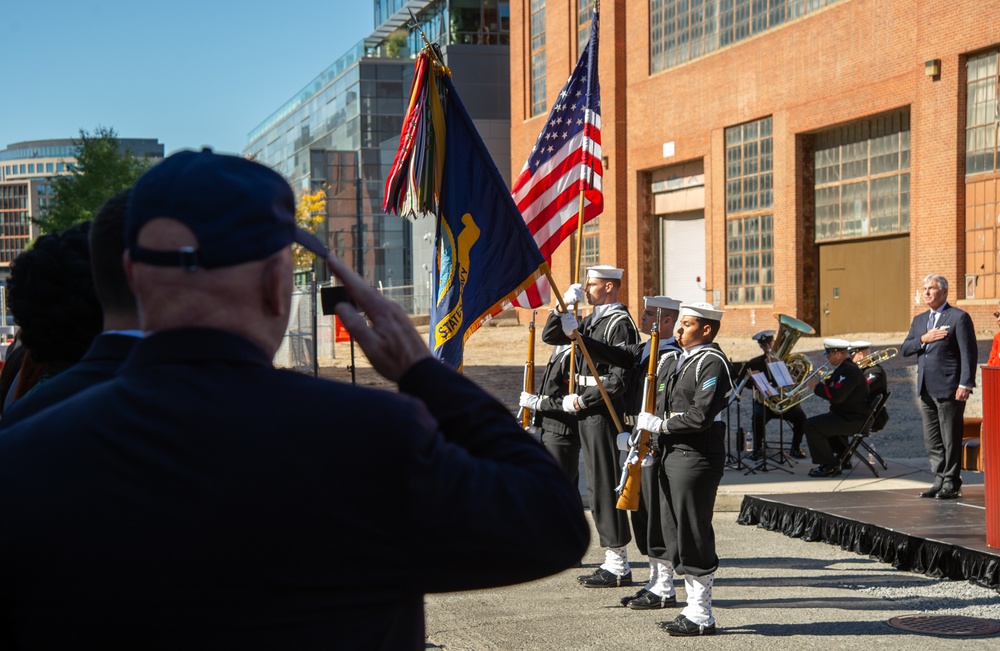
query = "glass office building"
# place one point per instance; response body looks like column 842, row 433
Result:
column 342, row 130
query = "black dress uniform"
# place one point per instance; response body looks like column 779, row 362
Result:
column 598, row 433
column 558, row 431
column 847, row 390
column 635, row 360
column 693, row 393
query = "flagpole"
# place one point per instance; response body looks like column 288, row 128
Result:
column 586, row 355
column 585, row 177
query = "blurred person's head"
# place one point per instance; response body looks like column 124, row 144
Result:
column 51, row 295
column 107, row 245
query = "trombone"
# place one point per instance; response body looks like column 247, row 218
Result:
column 877, row 357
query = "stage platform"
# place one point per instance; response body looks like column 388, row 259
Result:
column 938, row 538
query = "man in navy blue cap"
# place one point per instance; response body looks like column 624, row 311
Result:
column 203, row 499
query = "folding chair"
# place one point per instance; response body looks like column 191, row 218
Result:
column 858, row 439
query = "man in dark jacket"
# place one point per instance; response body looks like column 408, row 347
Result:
column 847, row 392
column 121, row 320
column 944, row 341
column 203, row 499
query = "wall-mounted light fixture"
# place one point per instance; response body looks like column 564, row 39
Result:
column 932, row 68
column 606, row 161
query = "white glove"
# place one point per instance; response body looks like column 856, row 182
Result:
column 574, row 294
column 649, row 422
column 529, row 401
column 569, row 324
column 569, row 404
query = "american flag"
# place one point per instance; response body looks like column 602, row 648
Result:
column 565, row 160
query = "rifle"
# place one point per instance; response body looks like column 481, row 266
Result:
column 628, row 497
column 529, row 371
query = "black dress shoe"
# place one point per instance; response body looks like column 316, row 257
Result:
column 948, row 493
column 685, row 627
column 601, row 578
column 650, row 601
column 824, row 471
column 624, row 600
column 931, row 492
column 797, row 453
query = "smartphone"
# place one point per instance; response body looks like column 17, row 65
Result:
column 330, row 296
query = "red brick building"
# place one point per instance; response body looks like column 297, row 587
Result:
column 811, row 157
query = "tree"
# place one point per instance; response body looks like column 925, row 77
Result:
column 309, row 214
column 101, row 171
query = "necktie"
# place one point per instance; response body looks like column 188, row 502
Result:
column 930, row 320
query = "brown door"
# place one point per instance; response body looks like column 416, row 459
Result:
column 864, row 286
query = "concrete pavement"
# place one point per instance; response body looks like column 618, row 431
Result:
column 771, row 592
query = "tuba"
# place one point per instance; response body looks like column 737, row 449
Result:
column 789, row 331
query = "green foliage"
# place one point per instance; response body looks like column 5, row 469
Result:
column 101, row 172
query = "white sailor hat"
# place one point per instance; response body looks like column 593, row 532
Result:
column 702, row 311
column 859, row 345
column 663, row 302
column 836, row 344
column 605, row 271
column 763, row 336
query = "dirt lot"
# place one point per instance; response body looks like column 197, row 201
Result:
column 495, row 357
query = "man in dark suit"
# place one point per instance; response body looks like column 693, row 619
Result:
column 203, row 499
column 121, row 320
column 944, row 341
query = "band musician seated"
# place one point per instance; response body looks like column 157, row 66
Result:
column 762, row 414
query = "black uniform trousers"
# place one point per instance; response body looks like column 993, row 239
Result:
column 602, row 466
column 692, row 468
column 646, row 518
column 795, row 417
column 564, row 446
column 944, row 421
column 826, row 433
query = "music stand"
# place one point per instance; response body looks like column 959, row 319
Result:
column 784, row 380
column 735, row 461
column 763, row 387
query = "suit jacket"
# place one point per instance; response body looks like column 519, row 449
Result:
column 944, row 365
column 203, row 499
column 100, row 364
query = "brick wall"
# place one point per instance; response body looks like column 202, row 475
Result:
column 852, row 60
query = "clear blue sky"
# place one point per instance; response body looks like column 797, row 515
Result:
column 191, row 73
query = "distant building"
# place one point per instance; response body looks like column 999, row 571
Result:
column 26, row 173
column 811, row 157
column 342, row 131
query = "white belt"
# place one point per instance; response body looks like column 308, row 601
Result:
column 586, row 380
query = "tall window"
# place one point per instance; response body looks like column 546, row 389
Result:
column 982, row 162
column 862, row 178
column 584, row 14
column 681, row 30
column 590, row 241
column 981, row 117
column 749, row 218
column 538, row 104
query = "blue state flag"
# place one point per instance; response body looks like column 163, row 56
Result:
column 485, row 255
